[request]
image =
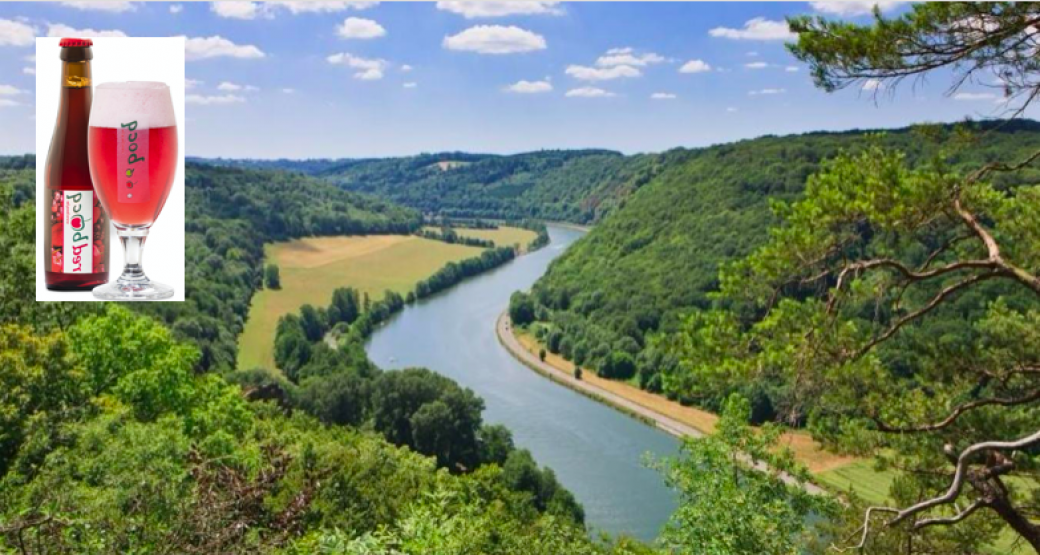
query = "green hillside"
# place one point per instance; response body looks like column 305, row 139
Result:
column 578, row 186
column 660, row 255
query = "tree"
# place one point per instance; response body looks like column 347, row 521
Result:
column 344, row 307
column 521, row 309
column 896, row 250
column 728, row 503
column 340, row 398
column 898, row 307
column 272, row 280
column 496, row 443
column 312, row 323
column 577, row 372
column 980, row 41
column 618, row 366
column 541, row 354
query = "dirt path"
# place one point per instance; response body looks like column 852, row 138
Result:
column 670, row 425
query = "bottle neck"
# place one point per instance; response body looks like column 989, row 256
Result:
column 75, row 75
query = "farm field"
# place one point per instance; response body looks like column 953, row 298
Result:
column 313, row 267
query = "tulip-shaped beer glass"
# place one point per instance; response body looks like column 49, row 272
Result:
column 132, row 148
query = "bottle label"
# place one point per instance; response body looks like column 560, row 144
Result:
column 74, row 249
column 132, row 165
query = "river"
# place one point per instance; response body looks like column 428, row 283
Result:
column 597, row 452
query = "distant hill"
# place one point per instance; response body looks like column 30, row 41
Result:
column 579, row 186
column 659, row 255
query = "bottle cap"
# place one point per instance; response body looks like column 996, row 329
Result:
column 73, row 43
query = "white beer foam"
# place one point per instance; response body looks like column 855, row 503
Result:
column 146, row 102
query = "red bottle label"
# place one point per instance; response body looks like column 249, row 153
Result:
column 77, row 233
column 132, row 166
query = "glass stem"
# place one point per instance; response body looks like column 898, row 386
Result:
column 133, row 239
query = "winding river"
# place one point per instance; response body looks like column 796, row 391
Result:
column 597, row 452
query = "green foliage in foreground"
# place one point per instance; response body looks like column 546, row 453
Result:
column 120, row 447
column 728, row 508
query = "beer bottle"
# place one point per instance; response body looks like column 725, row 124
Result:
column 75, row 225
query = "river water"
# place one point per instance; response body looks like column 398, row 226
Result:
column 597, row 452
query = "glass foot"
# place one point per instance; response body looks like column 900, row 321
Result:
column 145, row 290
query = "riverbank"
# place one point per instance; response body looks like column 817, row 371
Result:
column 670, row 416
column 594, row 387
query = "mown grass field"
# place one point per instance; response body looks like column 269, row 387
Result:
column 503, row 236
column 312, row 268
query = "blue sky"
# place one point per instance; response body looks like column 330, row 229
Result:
column 354, row 79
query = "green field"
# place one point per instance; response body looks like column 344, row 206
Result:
column 312, row 268
column 502, row 237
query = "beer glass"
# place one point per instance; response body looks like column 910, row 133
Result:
column 132, row 150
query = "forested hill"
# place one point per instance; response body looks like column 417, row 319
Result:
column 579, row 186
column 659, row 255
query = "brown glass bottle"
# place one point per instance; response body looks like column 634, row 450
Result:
column 75, row 225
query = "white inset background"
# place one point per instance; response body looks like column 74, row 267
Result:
column 117, row 59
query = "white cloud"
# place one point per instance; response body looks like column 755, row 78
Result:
column 589, row 92
column 586, row 73
column 191, row 83
column 16, row 33
column 232, row 87
column 791, row 69
column 758, row 28
column 29, row 70
column 237, row 10
column 975, row 96
column 176, row 8
column 202, row 48
column 406, row 68
column 6, row 102
column 495, row 39
column 766, row 91
column 288, row 91
column 31, row 58
column 491, row 8
column 410, row 85
column 114, row 7
column 695, row 66
column 873, row 85
column 752, row 54
column 530, row 87
column 625, row 57
column 322, row 6
column 731, row 109
column 8, row 90
column 359, row 28
column 849, row 8
column 209, row 100
column 663, row 96
column 252, row 10
column 756, row 65
column 367, row 69
column 61, row 30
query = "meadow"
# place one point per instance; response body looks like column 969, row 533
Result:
column 311, row 268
